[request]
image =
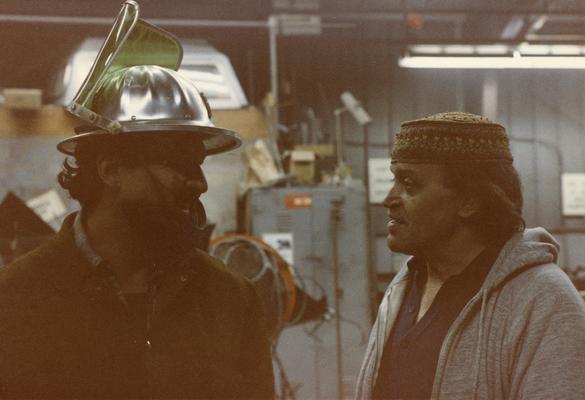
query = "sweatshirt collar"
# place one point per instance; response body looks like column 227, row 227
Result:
column 522, row 251
column 473, row 274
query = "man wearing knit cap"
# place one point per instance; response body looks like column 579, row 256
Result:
column 480, row 310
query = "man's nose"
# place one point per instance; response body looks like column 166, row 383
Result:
column 198, row 185
column 391, row 200
column 197, row 182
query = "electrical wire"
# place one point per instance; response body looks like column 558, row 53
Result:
column 327, row 317
column 281, row 296
column 287, row 390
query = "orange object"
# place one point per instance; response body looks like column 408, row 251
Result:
column 298, row 200
column 415, row 21
column 284, row 269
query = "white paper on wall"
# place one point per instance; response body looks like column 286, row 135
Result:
column 380, row 179
column 283, row 243
column 573, row 189
column 48, row 206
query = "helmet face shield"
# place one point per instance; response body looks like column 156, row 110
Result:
column 133, row 87
column 131, row 42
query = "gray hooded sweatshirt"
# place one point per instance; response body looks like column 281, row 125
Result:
column 522, row 336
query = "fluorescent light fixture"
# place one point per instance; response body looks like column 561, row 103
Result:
column 533, row 49
column 491, row 49
column 555, row 62
column 566, row 50
column 498, row 56
column 459, row 49
column 427, row 49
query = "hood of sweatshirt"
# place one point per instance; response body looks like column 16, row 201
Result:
column 524, row 250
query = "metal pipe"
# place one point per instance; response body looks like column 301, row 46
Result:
column 442, row 15
column 335, row 218
column 549, row 39
column 273, row 45
column 250, row 72
column 273, row 27
column 455, row 12
column 66, row 20
column 341, row 168
column 382, row 16
column 188, row 23
column 489, row 95
column 370, row 255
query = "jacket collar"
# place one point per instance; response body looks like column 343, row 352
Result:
column 67, row 268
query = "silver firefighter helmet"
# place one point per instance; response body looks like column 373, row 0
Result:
column 133, row 87
column 153, row 100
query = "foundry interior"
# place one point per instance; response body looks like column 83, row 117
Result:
column 317, row 89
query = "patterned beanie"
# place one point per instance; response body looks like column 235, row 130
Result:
column 453, row 137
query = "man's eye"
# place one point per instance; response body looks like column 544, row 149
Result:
column 407, row 183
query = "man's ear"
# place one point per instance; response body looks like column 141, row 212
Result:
column 108, row 171
column 469, row 206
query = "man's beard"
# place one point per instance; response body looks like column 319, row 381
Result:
column 166, row 231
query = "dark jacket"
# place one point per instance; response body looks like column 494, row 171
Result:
column 63, row 336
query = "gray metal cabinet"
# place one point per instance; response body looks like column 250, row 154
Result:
column 321, row 358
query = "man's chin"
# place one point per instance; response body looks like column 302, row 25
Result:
column 162, row 229
column 398, row 246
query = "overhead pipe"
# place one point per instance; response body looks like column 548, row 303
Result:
column 187, row 23
column 355, row 17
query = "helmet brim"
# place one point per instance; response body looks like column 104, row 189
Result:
column 215, row 140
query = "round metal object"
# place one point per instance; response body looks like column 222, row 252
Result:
column 152, row 100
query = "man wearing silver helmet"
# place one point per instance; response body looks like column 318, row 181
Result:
column 122, row 303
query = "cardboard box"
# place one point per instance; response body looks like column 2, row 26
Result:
column 23, row 99
column 260, row 162
column 48, row 120
column 320, row 150
column 325, row 163
column 53, row 120
column 248, row 122
column 302, row 165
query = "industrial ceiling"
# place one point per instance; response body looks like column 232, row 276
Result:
column 37, row 35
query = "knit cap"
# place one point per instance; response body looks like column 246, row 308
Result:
column 452, row 137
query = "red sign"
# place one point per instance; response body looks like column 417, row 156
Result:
column 299, row 200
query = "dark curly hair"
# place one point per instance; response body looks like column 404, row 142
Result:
column 499, row 189
column 79, row 175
